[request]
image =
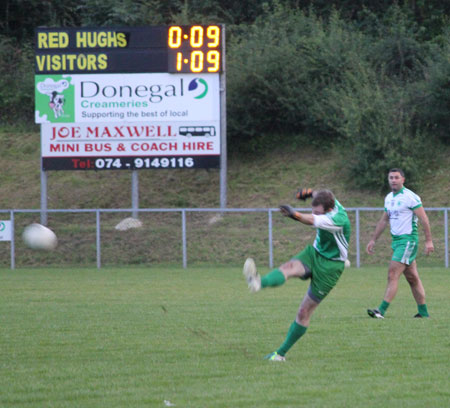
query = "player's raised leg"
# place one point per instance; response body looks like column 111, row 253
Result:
column 277, row 277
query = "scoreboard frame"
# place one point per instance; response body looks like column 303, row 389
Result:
column 172, row 49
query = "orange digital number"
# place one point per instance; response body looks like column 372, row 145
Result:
column 175, row 37
column 197, row 59
column 213, row 33
column 179, row 61
column 196, row 37
column 213, row 58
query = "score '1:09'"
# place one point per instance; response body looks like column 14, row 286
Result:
column 196, row 61
column 165, row 162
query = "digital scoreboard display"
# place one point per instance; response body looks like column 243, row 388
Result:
column 171, row 49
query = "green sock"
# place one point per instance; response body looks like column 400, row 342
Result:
column 423, row 311
column 273, row 278
column 383, row 307
column 295, row 332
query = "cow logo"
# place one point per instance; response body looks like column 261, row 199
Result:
column 54, row 99
column 56, row 103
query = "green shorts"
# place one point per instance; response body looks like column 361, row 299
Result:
column 324, row 272
column 404, row 251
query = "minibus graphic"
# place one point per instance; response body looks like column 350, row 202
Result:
column 190, row 131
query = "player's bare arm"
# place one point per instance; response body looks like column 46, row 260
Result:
column 288, row 211
column 422, row 215
column 381, row 226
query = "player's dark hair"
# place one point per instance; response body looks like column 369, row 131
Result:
column 397, row 170
column 325, row 198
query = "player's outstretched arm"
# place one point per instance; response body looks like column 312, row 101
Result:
column 288, row 211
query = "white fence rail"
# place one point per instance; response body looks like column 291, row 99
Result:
column 183, row 211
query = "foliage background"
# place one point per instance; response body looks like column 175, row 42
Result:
column 370, row 80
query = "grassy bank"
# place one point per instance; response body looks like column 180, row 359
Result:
column 265, row 180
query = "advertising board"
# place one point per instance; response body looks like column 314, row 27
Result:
column 131, row 145
column 127, row 98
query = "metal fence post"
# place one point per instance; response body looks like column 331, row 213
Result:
column 97, row 219
column 135, row 193
column 358, row 254
column 44, row 204
column 446, row 236
column 183, row 237
column 13, row 244
column 270, row 240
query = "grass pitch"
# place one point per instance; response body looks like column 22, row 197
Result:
column 196, row 338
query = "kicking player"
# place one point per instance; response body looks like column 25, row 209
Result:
column 322, row 262
column 402, row 209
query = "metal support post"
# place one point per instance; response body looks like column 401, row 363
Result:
column 183, row 237
column 134, row 193
column 223, row 130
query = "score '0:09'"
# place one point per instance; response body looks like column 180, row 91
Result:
column 196, row 36
column 165, row 162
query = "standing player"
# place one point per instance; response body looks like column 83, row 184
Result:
column 402, row 208
column 323, row 261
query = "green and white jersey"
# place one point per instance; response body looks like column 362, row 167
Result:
column 400, row 209
column 333, row 233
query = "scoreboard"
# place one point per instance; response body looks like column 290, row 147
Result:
column 132, row 98
column 173, row 49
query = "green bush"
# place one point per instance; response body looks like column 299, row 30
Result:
column 375, row 118
column 380, row 132
column 434, row 96
column 16, row 83
column 279, row 70
column 329, row 84
column 396, row 48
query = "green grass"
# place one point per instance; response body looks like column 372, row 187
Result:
column 195, row 337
